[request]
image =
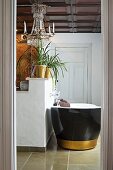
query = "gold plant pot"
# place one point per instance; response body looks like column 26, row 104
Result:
column 40, row 71
column 48, row 72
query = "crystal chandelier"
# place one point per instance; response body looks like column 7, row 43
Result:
column 38, row 31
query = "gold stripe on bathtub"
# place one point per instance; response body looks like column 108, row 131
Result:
column 77, row 145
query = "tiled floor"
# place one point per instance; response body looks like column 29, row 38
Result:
column 58, row 159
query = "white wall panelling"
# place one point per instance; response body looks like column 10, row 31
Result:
column 96, row 55
column 75, row 86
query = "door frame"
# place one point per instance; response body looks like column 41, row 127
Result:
column 107, row 90
column 87, row 46
column 8, row 86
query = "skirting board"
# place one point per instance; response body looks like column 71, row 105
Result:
column 34, row 149
column 30, row 149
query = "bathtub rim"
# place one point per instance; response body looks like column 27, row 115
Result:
column 79, row 106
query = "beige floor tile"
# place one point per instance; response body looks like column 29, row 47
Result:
column 34, row 166
column 59, row 158
column 83, row 167
column 84, row 157
column 39, row 157
column 56, row 158
column 22, row 158
column 50, row 157
column 45, row 167
column 59, row 167
column 36, row 161
column 19, row 166
column 43, row 161
column 56, row 155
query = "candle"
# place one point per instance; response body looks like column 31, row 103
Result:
column 53, row 28
column 40, row 24
column 33, row 28
column 25, row 29
column 49, row 30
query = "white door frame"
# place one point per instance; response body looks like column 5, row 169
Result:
column 7, row 86
column 106, row 158
column 89, row 61
column 107, row 109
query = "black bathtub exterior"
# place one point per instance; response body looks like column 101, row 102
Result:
column 76, row 129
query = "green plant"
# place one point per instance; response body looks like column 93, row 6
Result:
column 41, row 53
column 40, row 56
column 55, row 63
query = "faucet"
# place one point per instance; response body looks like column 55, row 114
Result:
column 56, row 95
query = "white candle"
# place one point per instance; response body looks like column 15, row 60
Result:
column 33, row 28
column 40, row 24
column 53, row 28
column 49, row 30
column 25, row 29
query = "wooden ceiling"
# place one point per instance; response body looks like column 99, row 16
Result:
column 69, row 16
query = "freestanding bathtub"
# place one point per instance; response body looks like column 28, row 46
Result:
column 76, row 127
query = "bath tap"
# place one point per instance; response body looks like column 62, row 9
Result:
column 56, row 95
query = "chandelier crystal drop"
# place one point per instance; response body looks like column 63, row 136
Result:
column 38, row 31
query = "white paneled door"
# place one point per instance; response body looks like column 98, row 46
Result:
column 75, row 83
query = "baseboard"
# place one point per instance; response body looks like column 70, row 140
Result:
column 35, row 149
column 30, row 149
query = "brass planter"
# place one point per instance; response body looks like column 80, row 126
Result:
column 40, row 71
column 48, row 72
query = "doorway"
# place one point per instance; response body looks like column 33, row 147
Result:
column 78, row 63
column 80, row 49
column 104, row 141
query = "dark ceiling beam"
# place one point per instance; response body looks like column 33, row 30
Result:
column 62, row 4
column 60, row 17
column 87, row 14
column 50, row 4
column 77, row 14
column 77, row 21
column 90, row 31
column 87, row 5
column 65, row 31
column 63, row 21
column 80, row 27
column 87, row 21
column 85, row 31
column 64, row 27
column 63, row 14
column 21, row 32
